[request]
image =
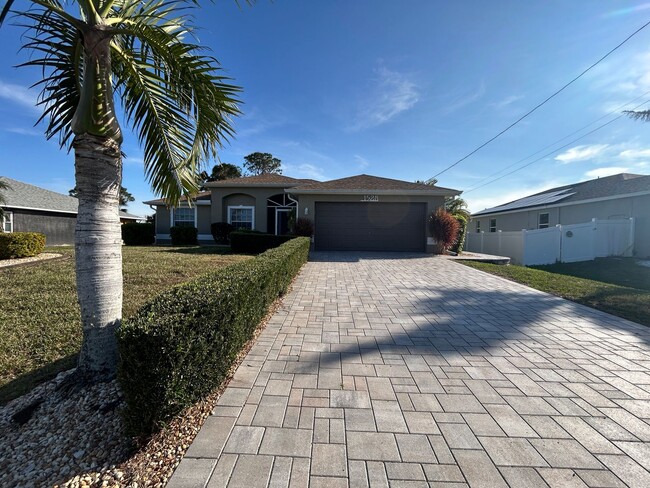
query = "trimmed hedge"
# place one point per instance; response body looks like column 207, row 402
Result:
column 21, row 244
column 182, row 235
column 221, row 232
column 180, row 345
column 134, row 234
column 247, row 242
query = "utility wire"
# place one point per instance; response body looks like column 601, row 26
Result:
column 542, row 102
column 616, row 110
column 554, row 150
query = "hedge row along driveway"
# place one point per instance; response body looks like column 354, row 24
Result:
column 180, row 345
column 40, row 330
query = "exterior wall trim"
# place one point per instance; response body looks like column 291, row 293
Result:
column 39, row 209
column 423, row 193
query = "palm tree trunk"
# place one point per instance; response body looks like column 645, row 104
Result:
column 98, row 247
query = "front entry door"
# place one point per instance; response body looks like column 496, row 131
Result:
column 282, row 221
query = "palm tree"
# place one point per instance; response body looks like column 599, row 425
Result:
column 171, row 95
column 457, row 206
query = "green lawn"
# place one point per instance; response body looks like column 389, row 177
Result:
column 616, row 286
column 40, row 331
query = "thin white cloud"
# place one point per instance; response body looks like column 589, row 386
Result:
column 18, row 94
column 24, row 132
column 581, row 153
column 392, row 94
column 506, row 102
column 602, row 172
column 635, row 154
column 464, row 99
column 304, row 170
column 362, row 163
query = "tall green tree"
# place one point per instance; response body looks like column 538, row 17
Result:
column 224, row 171
column 94, row 53
column 259, row 163
column 125, row 196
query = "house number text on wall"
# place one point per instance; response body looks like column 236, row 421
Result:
column 370, row 198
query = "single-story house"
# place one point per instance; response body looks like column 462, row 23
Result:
column 619, row 196
column 28, row 208
column 361, row 212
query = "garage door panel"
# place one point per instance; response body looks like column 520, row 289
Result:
column 370, row 226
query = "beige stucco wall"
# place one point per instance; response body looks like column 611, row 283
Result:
column 621, row 208
column 308, row 202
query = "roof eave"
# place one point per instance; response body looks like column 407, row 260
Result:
column 427, row 193
column 215, row 184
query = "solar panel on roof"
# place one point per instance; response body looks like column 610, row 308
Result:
column 532, row 201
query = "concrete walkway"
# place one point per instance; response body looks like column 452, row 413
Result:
column 400, row 370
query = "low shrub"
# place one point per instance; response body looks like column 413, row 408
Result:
column 457, row 246
column 21, row 244
column 303, row 227
column 178, row 347
column 221, row 232
column 182, row 235
column 252, row 242
column 134, row 234
column 443, row 227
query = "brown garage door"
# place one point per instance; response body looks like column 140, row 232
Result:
column 346, row 226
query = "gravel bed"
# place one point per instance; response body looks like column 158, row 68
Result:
column 41, row 257
column 54, row 438
column 62, row 433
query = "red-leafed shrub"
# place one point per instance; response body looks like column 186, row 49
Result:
column 303, row 227
column 444, row 228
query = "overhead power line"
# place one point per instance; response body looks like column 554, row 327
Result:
column 542, row 102
column 616, row 110
column 553, row 151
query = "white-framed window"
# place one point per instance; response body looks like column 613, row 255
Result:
column 493, row 225
column 242, row 217
column 543, row 220
column 8, row 221
column 184, row 216
column 478, row 226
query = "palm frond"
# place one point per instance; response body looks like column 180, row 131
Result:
column 643, row 115
column 58, row 51
column 173, row 97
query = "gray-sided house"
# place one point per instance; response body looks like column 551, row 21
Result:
column 620, row 196
column 28, row 208
column 361, row 212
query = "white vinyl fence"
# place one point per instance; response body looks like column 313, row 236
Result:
column 562, row 243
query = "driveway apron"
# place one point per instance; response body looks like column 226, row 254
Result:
column 412, row 370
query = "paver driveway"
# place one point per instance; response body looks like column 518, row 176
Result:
column 416, row 371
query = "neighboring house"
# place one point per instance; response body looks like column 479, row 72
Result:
column 620, row 196
column 357, row 213
column 29, row 208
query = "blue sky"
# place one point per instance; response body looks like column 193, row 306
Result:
column 397, row 89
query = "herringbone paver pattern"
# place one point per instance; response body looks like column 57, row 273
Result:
column 394, row 370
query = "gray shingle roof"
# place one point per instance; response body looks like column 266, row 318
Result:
column 24, row 195
column 610, row 186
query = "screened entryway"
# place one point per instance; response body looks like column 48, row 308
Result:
column 280, row 209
